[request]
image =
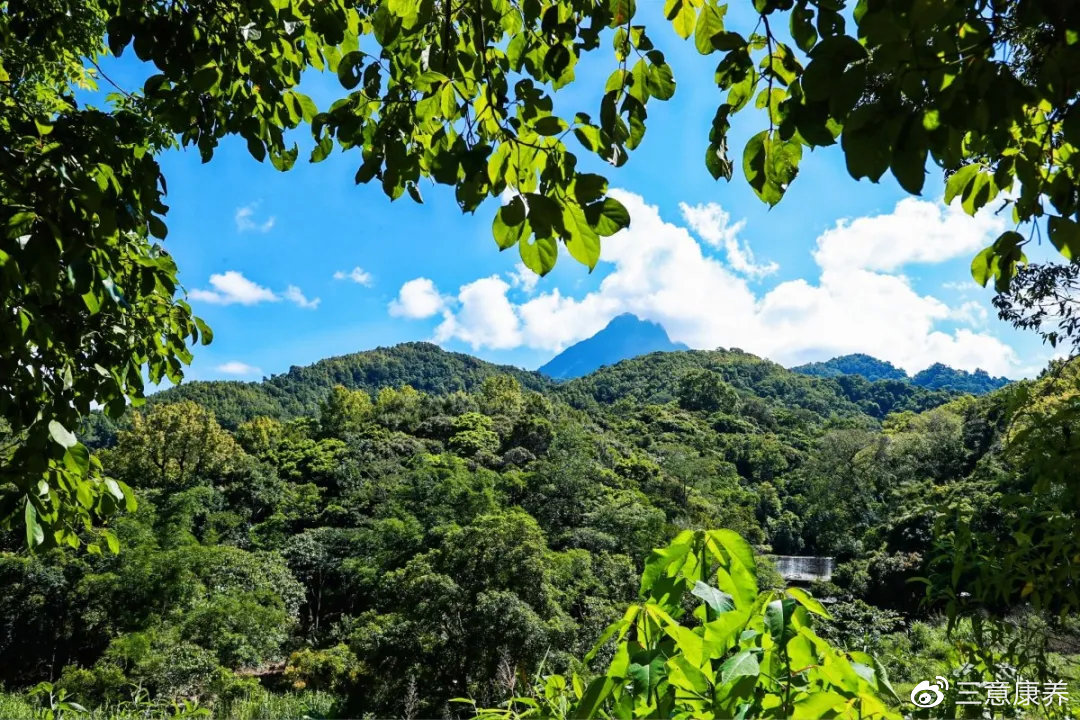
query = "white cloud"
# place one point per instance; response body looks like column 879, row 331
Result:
column 962, row 286
column 358, row 275
column 235, row 367
column 713, row 225
column 523, row 278
column 971, row 313
column 916, row 231
column 293, row 294
column 246, row 221
column 232, row 287
column 484, row 318
column 418, row 298
column 659, row 272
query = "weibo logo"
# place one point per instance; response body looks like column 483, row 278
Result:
column 927, row 694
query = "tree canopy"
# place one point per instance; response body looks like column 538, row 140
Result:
column 460, row 94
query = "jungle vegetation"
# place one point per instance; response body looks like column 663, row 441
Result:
column 395, row 547
column 392, row 550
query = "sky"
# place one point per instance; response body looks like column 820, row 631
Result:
column 289, row 268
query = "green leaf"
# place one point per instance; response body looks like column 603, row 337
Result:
column 778, row 618
column 719, row 601
column 741, row 664
column 205, row 333
column 646, row 676
column 684, row 675
column 717, row 162
column 157, row 227
column 982, row 266
column 710, row 23
column 114, row 489
column 111, row 541
column 131, row 503
column 607, row 216
column 908, row 163
column 539, row 255
column 35, row 535
column 1065, row 236
column 980, row 191
column 802, row 28
column 510, row 227
column 818, row 704
column 61, row 434
column 205, row 79
column 77, row 459
column 549, row 125
column 807, row 601
column 958, row 182
column 660, row 81
column 348, row 69
column 683, row 18
column 770, row 164
column 621, row 11
column 620, row 626
column 582, row 240
column 595, row 695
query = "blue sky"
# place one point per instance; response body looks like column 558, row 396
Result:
column 838, row 266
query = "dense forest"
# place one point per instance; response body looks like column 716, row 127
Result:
column 935, row 377
column 388, row 532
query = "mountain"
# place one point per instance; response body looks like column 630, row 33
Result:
column 935, row 377
column 424, row 366
column 939, row 376
column 858, row 364
column 626, row 336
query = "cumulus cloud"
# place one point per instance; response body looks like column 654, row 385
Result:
column 484, row 317
column 713, row 225
column 232, row 288
column 916, row 231
column 418, row 298
column 523, row 278
column 236, row 367
column 294, row 295
column 358, row 275
column 658, row 271
column 962, row 286
column 247, row 222
column 970, row 313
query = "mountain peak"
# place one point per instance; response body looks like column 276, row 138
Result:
column 625, row 336
column 936, row 377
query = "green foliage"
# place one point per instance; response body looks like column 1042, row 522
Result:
column 733, row 652
column 463, row 97
column 857, row 364
column 344, row 412
column 444, row 543
column 173, row 446
column 704, row 390
column 333, row 669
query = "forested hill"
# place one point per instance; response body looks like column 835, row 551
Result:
column 764, row 386
column 936, row 377
column 423, row 366
column 396, row 548
column 652, row 378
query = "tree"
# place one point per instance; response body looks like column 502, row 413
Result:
column 472, row 436
column 174, row 445
column 344, row 412
column 703, row 642
column 462, row 96
column 705, row 390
